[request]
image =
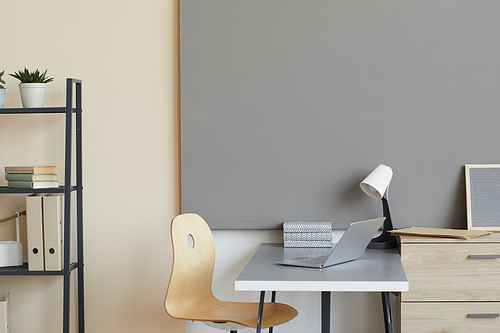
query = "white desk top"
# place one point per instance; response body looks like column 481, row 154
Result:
column 376, row 270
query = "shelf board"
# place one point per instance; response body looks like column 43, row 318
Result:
column 23, row 270
column 34, row 110
column 10, row 190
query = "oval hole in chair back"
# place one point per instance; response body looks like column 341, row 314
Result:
column 190, row 241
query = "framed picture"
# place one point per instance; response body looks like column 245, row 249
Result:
column 482, row 184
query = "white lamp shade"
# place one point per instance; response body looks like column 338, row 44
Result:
column 377, row 182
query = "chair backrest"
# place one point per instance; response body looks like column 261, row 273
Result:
column 190, row 284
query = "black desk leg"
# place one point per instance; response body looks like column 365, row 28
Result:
column 325, row 311
column 273, row 300
column 386, row 302
column 261, row 310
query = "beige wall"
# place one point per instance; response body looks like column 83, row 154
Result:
column 126, row 54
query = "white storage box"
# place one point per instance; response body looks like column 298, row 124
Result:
column 11, row 254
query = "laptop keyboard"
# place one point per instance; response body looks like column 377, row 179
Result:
column 311, row 261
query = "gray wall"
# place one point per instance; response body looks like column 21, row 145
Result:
column 287, row 105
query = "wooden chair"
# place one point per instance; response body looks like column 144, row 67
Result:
column 189, row 293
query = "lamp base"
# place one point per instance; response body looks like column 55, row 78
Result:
column 384, row 241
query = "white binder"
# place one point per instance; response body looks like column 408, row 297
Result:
column 52, row 231
column 4, row 315
column 34, row 230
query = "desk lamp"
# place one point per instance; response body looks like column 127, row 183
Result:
column 376, row 185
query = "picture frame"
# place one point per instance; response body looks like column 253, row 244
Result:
column 482, row 184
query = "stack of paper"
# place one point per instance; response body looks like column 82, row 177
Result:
column 438, row 232
column 307, row 234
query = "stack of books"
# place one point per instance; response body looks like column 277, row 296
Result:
column 307, row 234
column 31, row 176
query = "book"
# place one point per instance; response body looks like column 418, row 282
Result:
column 30, row 177
column 438, row 232
column 34, row 232
column 52, row 231
column 32, row 184
column 307, row 226
column 307, row 244
column 35, row 169
column 307, row 236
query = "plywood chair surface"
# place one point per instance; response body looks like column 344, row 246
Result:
column 189, row 294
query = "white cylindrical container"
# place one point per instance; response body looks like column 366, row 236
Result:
column 11, row 254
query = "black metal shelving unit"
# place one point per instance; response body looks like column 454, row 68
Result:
column 73, row 114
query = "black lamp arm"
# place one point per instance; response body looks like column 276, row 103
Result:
column 387, row 215
column 385, row 240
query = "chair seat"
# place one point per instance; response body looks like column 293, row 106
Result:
column 241, row 313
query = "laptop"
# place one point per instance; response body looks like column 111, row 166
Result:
column 350, row 247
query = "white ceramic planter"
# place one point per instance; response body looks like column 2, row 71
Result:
column 32, row 94
column 2, row 97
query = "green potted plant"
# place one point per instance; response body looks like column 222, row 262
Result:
column 2, row 90
column 32, row 87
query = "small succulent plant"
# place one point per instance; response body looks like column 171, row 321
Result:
column 32, row 77
column 1, row 80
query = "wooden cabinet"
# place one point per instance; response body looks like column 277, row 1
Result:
column 454, row 285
